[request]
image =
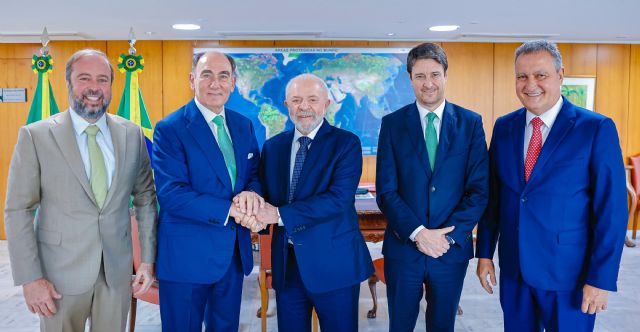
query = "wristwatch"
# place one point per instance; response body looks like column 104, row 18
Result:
column 450, row 240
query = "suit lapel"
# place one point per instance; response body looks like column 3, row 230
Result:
column 416, row 135
column 119, row 139
column 313, row 155
column 516, row 131
column 237, row 133
column 564, row 122
column 64, row 135
column 447, row 130
column 201, row 132
column 284, row 164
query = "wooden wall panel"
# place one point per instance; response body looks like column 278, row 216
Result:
column 150, row 79
column 470, row 78
column 633, row 122
column 176, row 66
column 612, row 87
column 504, row 95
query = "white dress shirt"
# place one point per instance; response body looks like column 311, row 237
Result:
column 437, row 121
column 209, row 115
column 548, row 118
column 103, row 138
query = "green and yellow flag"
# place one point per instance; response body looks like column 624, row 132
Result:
column 43, row 104
column 132, row 105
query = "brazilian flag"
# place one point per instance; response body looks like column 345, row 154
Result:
column 43, row 104
column 132, row 105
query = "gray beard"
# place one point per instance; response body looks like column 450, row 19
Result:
column 88, row 113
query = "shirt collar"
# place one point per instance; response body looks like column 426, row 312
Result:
column 297, row 134
column 439, row 110
column 548, row 117
column 207, row 113
column 80, row 124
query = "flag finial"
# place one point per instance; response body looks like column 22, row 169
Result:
column 45, row 41
column 132, row 42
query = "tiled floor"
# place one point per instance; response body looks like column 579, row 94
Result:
column 481, row 311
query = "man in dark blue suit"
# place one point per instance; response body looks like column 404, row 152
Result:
column 432, row 186
column 309, row 176
column 558, row 204
column 204, row 156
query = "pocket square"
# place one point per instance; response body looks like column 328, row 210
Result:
column 250, row 155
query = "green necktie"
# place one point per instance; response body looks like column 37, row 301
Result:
column 431, row 138
column 224, row 143
column 98, row 178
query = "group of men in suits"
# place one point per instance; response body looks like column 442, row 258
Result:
column 550, row 189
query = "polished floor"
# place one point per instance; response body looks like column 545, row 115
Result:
column 481, row 311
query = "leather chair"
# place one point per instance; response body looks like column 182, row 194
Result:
column 265, row 278
column 153, row 295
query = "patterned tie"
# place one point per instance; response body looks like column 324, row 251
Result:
column 98, row 174
column 301, row 155
column 224, row 143
column 431, row 138
column 535, row 145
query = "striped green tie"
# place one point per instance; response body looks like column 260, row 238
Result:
column 98, row 177
column 224, row 143
column 431, row 138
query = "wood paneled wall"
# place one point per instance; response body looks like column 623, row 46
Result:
column 480, row 77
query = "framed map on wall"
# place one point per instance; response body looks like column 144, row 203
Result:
column 580, row 90
column 364, row 85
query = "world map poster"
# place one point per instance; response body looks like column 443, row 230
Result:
column 364, row 85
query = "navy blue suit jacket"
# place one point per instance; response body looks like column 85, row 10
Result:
column 410, row 194
column 194, row 191
column 566, row 225
column 321, row 221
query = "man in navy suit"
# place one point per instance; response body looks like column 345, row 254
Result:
column 558, row 203
column 432, row 186
column 309, row 176
column 204, row 156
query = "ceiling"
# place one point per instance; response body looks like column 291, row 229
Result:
column 608, row 21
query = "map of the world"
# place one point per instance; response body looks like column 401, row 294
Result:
column 364, row 85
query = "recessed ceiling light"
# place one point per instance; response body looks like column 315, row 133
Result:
column 186, row 26
column 390, row 34
column 444, row 28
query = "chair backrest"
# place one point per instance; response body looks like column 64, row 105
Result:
column 635, row 173
column 265, row 249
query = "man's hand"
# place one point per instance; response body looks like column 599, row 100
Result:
column 594, row 299
column 268, row 214
column 245, row 220
column 432, row 242
column 486, row 268
column 248, row 202
column 143, row 279
column 39, row 295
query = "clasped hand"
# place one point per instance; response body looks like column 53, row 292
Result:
column 251, row 211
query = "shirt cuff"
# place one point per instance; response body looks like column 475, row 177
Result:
column 227, row 220
column 413, row 235
column 280, row 223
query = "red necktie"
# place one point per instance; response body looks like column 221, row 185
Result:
column 535, row 145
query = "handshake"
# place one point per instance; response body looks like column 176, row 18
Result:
column 251, row 211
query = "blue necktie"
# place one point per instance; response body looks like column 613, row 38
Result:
column 301, row 155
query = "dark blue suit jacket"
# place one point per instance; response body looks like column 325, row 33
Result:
column 321, row 221
column 410, row 194
column 194, row 191
column 566, row 225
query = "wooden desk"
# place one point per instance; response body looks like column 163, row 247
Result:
column 371, row 219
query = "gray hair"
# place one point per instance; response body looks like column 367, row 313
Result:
column 86, row 52
column 198, row 56
column 320, row 81
column 427, row 51
column 535, row 46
